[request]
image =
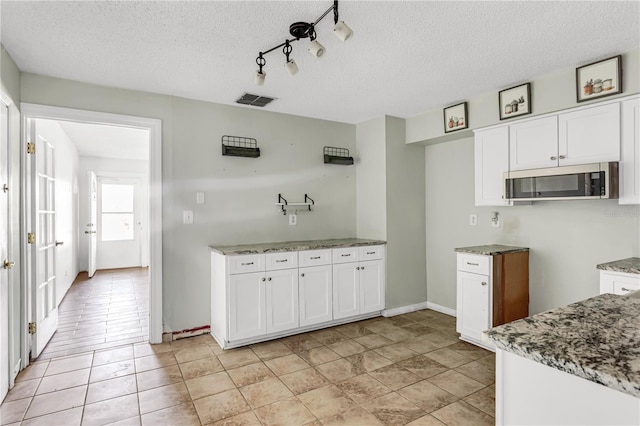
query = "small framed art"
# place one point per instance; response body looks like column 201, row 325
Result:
column 598, row 79
column 455, row 118
column 515, row 101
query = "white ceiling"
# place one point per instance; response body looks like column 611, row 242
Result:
column 404, row 59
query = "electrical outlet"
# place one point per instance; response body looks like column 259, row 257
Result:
column 200, row 197
column 293, row 219
column 473, row 219
column 187, row 217
column 496, row 220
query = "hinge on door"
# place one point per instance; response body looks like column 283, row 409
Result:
column 31, row 148
column 32, row 328
column 31, row 238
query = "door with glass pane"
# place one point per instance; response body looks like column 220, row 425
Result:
column 119, row 223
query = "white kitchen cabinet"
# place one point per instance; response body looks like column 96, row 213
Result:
column 491, row 155
column 247, row 315
column 316, row 294
column 473, row 304
column 589, row 135
column 630, row 152
column 618, row 282
column 533, row 144
column 281, row 300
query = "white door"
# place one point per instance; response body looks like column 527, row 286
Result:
column 473, row 304
column 371, row 286
column 346, row 291
column 315, row 295
column 41, row 254
column 247, row 316
column 91, row 232
column 7, row 263
column 282, row 300
column 119, row 237
column 533, row 144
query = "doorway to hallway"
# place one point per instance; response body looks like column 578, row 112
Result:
column 109, row 310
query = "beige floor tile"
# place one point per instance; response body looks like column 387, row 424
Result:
column 270, row 350
column 13, row 411
column 461, row 414
column 319, row 355
column 479, row 371
column 470, row 351
column 327, row 401
column 356, row 416
column 427, row 420
column 56, row 401
column 368, row 361
column 220, row 406
column 398, row 334
column 158, row 377
column 427, row 396
column 353, row 330
column 146, row 349
column 363, row 388
column 396, row 352
column 250, row 374
column 112, row 388
column 290, row 412
column 163, row 397
column 392, row 409
column 456, row 383
column 238, row 358
column 23, row 389
column 113, row 355
column 33, row 371
column 67, row 418
column 265, row 392
column 63, row 381
column 210, row 384
column 399, row 320
column 182, row 414
column 448, row 358
column 373, row 341
column 339, row 370
column 301, row 342
column 328, row 336
column 57, row 366
column 200, row 367
column 244, row 419
column 422, row 366
column 484, row 399
column 193, row 352
column 303, row 380
column 152, row 362
column 111, row 410
column 286, row 364
column 131, row 421
column 394, row 377
column 418, row 329
column 422, row 344
column 443, row 339
column 347, row 348
column 111, row 371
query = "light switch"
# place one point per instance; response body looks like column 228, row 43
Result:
column 473, row 219
column 200, row 197
column 187, row 217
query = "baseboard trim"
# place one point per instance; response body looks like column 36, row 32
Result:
column 182, row 334
column 418, row 307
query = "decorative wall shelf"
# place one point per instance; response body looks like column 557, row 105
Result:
column 239, row 146
column 285, row 205
column 334, row 155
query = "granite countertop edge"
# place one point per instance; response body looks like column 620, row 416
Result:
column 286, row 246
column 629, row 265
column 491, row 249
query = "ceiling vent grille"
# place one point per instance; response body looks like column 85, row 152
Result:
column 254, row 100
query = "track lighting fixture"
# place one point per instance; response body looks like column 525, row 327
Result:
column 303, row 30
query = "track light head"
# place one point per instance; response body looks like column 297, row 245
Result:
column 316, row 49
column 291, row 67
column 342, row 31
column 259, row 78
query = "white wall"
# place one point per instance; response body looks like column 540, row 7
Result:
column 66, row 187
column 567, row 238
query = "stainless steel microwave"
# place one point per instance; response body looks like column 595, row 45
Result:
column 586, row 181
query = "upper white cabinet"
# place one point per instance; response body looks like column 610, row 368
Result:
column 630, row 152
column 590, row 135
column 533, row 144
column 491, row 161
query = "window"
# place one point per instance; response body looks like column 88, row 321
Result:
column 117, row 212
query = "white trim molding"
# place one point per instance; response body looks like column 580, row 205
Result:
column 418, row 307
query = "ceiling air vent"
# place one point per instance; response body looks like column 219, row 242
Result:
column 254, row 100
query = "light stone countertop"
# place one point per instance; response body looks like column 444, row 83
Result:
column 597, row 339
column 491, row 249
column 293, row 246
column 630, row 265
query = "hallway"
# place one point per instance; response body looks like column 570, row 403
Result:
column 109, row 310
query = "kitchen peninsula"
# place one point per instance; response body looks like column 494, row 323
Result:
column 578, row 364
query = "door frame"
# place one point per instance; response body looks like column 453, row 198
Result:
column 35, row 111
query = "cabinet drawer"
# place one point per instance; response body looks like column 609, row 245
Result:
column 284, row 260
column 623, row 288
column 474, row 263
column 344, row 255
column 246, row 263
column 370, row 253
column 314, row 257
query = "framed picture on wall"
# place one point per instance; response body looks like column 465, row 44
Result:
column 515, row 101
column 455, row 118
column 598, row 79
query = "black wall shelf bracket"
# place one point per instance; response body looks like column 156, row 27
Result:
column 334, row 155
column 239, row 146
column 284, row 205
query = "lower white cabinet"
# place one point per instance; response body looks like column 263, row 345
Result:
column 473, row 305
column 316, row 295
column 618, row 282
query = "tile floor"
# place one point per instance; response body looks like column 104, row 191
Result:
column 106, row 311
column 408, row 369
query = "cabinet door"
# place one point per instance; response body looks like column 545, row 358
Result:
column 589, row 135
column 372, row 278
column 618, row 283
column 533, row 144
column 316, row 295
column 491, row 153
column 282, row 300
column 346, row 290
column 247, row 305
column 473, row 304
column 630, row 153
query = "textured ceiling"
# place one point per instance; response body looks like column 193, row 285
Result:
column 405, row 58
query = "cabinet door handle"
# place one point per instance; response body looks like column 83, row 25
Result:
column 263, row 279
column 483, row 283
column 553, row 158
column 362, row 268
column 357, row 268
column 562, row 157
column 625, row 289
column 345, row 255
column 280, row 261
column 472, row 264
column 302, row 275
column 246, row 264
column 315, row 257
column 269, row 279
column 371, row 252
